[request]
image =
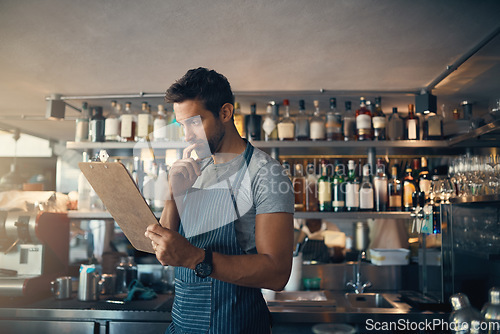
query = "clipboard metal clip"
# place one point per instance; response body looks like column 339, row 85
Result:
column 103, row 156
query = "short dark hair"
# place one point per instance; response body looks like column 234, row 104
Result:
column 204, row 85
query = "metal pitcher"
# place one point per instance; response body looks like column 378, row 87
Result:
column 88, row 286
column 61, row 287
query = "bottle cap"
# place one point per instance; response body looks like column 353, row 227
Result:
column 286, row 102
column 459, row 301
column 495, row 296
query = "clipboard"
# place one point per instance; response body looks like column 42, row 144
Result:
column 123, row 200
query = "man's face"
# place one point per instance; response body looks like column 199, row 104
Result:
column 200, row 127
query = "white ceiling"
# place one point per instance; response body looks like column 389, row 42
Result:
column 128, row 46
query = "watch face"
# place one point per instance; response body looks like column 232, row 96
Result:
column 203, row 269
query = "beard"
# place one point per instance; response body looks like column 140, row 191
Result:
column 203, row 150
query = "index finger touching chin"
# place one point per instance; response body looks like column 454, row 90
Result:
column 187, row 151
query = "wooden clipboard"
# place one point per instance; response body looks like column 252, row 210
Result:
column 123, row 200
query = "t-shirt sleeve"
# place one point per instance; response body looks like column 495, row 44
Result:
column 273, row 191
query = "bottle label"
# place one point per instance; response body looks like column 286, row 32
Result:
column 160, row 129
column 366, row 198
column 380, row 186
column 352, row 195
column 378, row 122
column 112, row 127
column 286, row 130
column 434, row 127
column 324, row 192
column 317, row 130
column 395, row 201
column 268, row 125
column 126, row 128
column 82, row 130
column 143, row 125
column 412, row 129
column 408, row 191
column 363, row 122
column 425, row 186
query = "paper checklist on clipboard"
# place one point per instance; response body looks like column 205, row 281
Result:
column 123, row 200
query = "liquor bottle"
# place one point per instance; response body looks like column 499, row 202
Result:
column 253, row 124
column 395, row 126
column 160, row 188
column 128, row 123
column 317, row 124
column 311, row 188
column 112, row 124
column 144, row 123
column 239, row 120
column 286, row 127
column 84, row 189
column 412, row 128
column 287, row 169
column 299, row 187
column 270, row 122
column 160, row 125
column 349, row 123
column 464, row 318
column 334, row 119
column 409, row 187
column 366, row 191
column 415, row 166
column 395, row 191
column 302, row 123
column 324, row 189
column 363, row 122
column 380, row 184
column 82, row 124
column 379, row 121
column 338, row 188
column 352, row 188
column 96, row 128
column 433, row 126
column 424, row 178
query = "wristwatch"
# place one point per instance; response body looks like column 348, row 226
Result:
column 204, row 268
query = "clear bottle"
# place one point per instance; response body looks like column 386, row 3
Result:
column 302, row 123
column 239, row 120
column 270, row 122
column 334, row 122
column 112, row 124
column 364, row 129
column 82, row 124
column 395, row 191
column 97, row 126
column 84, row 189
column 380, row 184
column 317, row 124
column 412, row 126
column 366, row 191
column 379, row 121
column 299, row 187
column 395, row 126
column 253, row 124
column 433, row 126
column 491, row 310
column 286, row 127
column 160, row 188
column 352, row 188
column 338, row 188
column 144, row 123
column 324, row 190
column 128, row 124
column 160, row 125
column 463, row 314
column 349, row 123
column 311, row 188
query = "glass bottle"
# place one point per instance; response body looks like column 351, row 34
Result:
column 363, row 122
column 349, row 123
column 253, row 124
column 334, row 119
column 395, row 191
column 463, row 314
column 395, row 126
column 311, row 187
column 144, row 123
column 433, row 126
column 324, row 189
column 270, row 122
column 299, row 187
column 366, row 190
column 424, row 177
column 239, row 120
column 302, row 123
column 96, row 128
column 379, row 121
column 491, row 310
column 380, row 185
column 84, row 189
column 338, row 188
column 352, row 188
column 82, row 124
column 412, row 127
column 317, row 124
column 126, row 272
column 160, row 125
column 128, row 124
column 286, row 127
column 160, row 188
column 112, row 124
column 409, row 187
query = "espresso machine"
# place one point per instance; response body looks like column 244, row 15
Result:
column 34, row 250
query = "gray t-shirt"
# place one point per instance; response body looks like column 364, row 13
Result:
column 265, row 188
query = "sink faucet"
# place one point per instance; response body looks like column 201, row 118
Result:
column 358, row 286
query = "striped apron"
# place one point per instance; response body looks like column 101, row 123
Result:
column 207, row 305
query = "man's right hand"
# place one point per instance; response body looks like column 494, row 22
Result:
column 183, row 173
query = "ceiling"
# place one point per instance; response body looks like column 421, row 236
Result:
column 78, row 48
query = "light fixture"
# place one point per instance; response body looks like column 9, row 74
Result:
column 55, row 108
column 425, row 103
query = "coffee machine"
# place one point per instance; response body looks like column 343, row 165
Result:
column 34, row 250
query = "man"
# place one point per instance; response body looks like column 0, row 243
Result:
column 227, row 226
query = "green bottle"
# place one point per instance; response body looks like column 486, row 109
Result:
column 324, row 190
